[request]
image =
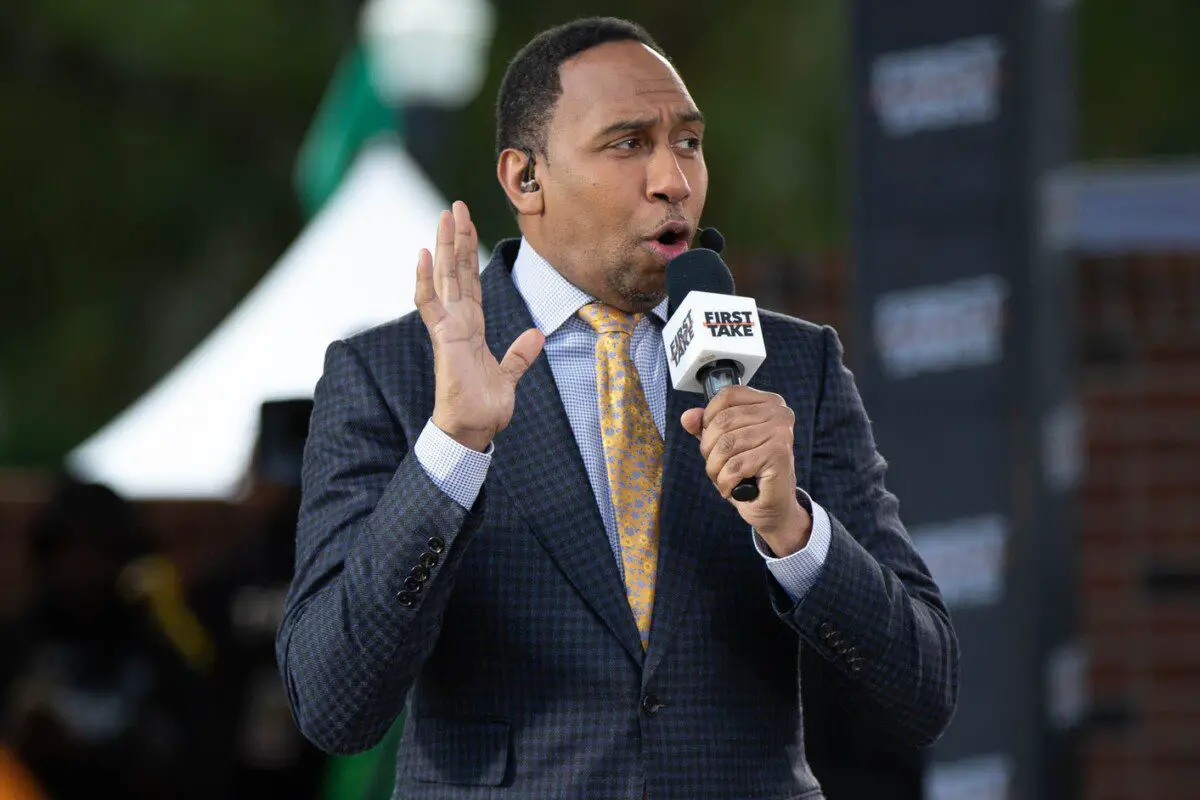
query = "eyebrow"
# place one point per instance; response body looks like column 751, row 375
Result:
column 642, row 123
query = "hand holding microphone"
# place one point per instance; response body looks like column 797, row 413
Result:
column 714, row 345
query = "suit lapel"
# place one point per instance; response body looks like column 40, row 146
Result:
column 692, row 519
column 538, row 462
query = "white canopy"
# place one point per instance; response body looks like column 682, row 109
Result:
column 193, row 434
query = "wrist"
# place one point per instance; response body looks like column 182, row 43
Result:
column 791, row 534
column 474, row 438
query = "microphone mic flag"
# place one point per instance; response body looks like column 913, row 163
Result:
column 713, row 337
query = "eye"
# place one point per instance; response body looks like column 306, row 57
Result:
column 689, row 143
column 630, row 143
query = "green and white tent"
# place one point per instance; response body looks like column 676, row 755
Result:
column 352, row 267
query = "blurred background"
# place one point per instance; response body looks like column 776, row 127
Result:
column 997, row 204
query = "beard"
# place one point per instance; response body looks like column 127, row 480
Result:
column 629, row 283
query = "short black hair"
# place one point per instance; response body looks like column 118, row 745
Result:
column 531, row 84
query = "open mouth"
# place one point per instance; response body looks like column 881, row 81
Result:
column 672, row 234
column 670, row 241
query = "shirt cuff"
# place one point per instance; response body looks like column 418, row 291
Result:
column 798, row 573
column 454, row 468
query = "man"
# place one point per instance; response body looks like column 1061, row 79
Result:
column 537, row 552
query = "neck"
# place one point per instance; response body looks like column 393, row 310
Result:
column 560, row 262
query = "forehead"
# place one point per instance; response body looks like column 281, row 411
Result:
column 617, row 80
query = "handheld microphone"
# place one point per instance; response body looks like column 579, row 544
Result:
column 712, row 336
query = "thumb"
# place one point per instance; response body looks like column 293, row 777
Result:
column 693, row 421
column 522, row 353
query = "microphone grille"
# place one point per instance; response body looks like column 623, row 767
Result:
column 696, row 270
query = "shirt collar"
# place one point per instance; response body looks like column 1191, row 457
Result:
column 551, row 298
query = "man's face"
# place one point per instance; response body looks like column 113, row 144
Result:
column 625, row 179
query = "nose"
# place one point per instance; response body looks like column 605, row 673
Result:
column 665, row 179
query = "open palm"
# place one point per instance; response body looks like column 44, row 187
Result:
column 474, row 392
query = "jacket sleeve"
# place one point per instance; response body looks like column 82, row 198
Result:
column 875, row 612
column 353, row 636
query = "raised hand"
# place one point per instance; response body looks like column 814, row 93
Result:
column 474, row 393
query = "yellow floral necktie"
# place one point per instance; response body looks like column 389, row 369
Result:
column 633, row 453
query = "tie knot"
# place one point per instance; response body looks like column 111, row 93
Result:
column 606, row 319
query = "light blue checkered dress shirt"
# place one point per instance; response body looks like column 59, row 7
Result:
column 570, row 347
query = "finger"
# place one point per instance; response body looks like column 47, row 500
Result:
column 746, row 464
column 732, row 444
column 522, row 353
column 772, row 464
column 735, row 440
column 693, row 421
column 719, row 403
column 445, row 276
column 730, row 419
column 734, row 396
column 466, row 252
column 428, row 305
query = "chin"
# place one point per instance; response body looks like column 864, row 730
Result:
column 653, row 287
column 644, row 299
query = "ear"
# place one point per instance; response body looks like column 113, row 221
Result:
column 510, row 171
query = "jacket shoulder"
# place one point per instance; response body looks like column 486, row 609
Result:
column 786, row 325
column 396, row 358
column 794, row 339
column 402, row 340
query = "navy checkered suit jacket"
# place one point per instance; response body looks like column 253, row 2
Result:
column 514, row 645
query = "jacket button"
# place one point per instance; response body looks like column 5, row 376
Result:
column 412, row 584
column 856, row 664
column 429, row 560
column 420, row 573
column 651, row 705
column 405, row 598
column 826, row 630
column 436, row 544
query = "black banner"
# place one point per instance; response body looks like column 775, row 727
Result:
column 961, row 348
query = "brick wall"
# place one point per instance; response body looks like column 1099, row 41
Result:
column 1140, row 524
